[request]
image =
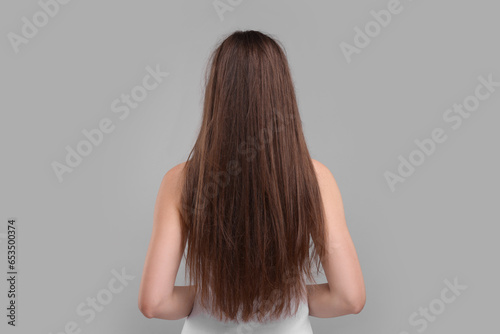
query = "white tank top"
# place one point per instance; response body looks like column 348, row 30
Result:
column 201, row 322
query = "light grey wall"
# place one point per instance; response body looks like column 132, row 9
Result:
column 360, row 113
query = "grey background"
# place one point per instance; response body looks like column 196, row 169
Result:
column 441, row 223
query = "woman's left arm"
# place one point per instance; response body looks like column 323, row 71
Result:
column 158, row 295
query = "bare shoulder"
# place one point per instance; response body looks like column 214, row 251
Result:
column 176, row 171
column 323, row 174
column 328, row 185
column 318, row 166
column 171, row 184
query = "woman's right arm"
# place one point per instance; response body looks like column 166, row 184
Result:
column 345, row 291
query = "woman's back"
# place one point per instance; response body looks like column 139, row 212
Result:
column 248, row 205
column 250, row 201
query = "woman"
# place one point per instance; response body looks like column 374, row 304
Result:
column 247, row 203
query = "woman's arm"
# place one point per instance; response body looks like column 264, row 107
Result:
column 182, row 304
column 345, row 291
column 158, row 295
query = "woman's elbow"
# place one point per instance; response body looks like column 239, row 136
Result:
column 357, row 304
column 149, row 306
column 146, row 309
column 357, row 307
column 164, row 311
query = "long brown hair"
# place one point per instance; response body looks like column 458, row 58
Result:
column 251, row 202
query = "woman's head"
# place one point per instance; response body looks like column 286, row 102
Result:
column 251, row 201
